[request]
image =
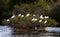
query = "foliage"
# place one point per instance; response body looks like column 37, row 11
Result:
column 9, row 7
column 55, row 12
column 19, row 21
column 26, row 24
column 38, row 7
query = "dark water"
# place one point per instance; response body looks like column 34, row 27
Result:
column 6, row 31
column 39, row 35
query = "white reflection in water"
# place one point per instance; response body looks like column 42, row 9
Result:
column 5, row 31
column 52, row 29
column 36, row 35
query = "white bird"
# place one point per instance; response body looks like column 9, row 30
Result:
column 19, row 14
column 7, row 20
column 22, row 15
column 13, row 16
column 41, row 16
column 34, row 15
column 40, row 20
column 34, row 19
column 27, row 15
column 45, row 21
column 35, row 28
column 46, row 17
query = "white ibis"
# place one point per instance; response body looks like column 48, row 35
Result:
column 13, row 16
column 34, row 15
column 19, row 14
column 27, row 15
column 34, row 19
column 46, row 17
column 35, row 28
column 22, row 15
column 40, row 20
column 45, row 21
column 41, row 16
column 7, row 20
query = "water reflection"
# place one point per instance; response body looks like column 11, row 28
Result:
column 37, row 35
column 6, row 31
column 52, row 29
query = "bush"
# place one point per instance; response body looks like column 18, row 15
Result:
column 29, row 22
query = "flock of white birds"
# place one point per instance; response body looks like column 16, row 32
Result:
column 33, row 19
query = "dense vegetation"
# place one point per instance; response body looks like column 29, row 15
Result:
column 49, row 8
column 10, row 7
column 29, row 23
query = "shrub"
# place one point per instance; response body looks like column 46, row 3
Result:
column 29, row 22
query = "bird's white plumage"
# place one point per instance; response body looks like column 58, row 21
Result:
column 40, row 20
column 34, row 19
column 7, row 20
column 13, row 16
column 22, row 15
column 41, row 17
column 34, row 15
column 46, row 17
column 35, row 28
column 27, row 15
column 45, row 21
column 19, row 14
